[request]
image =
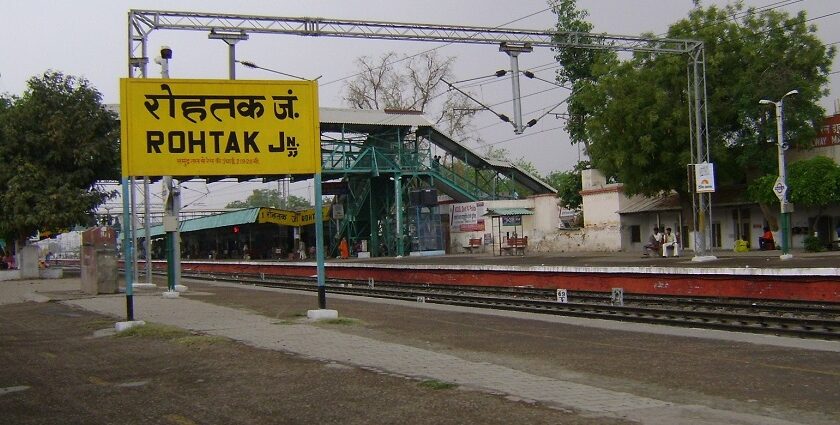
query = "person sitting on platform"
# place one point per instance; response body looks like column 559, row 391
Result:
column 766, row 242
column 654, row 242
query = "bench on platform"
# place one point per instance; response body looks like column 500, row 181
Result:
column 473, row 244
column 515, row 246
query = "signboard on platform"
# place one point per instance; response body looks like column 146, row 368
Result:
column 467, row 217
column 219, row 127
column 704, row 177
column 511, row 220
column 290, row 218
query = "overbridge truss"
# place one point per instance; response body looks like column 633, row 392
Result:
column 143, row 22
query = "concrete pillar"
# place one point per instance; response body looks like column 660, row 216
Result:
column 28, row 262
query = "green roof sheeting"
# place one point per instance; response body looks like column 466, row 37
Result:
column 221, row 220
column 497, row 212
column 232, row 218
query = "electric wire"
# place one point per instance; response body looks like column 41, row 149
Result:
column 434, row 48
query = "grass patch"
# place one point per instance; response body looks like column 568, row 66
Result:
column 153, row 330
column 434, row 384
column 200, row 341
column 340, row 321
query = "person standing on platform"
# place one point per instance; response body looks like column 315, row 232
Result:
column 343, row 249
column 669, row 241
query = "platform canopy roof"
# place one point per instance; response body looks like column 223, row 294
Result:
column 500, row 212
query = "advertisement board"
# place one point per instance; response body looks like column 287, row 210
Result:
column 704, row 177
column 467, row 217
column 180, row 127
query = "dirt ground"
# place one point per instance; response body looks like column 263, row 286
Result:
column 57, row 365
column 795, row 384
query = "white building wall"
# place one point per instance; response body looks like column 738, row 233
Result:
column 601, row 221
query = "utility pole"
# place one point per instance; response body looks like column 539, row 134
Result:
column 171, row 211
column 513, row 50
column 780, row 186
column 231, row 38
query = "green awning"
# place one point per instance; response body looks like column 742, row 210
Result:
column 499, row 212
column 233, row 218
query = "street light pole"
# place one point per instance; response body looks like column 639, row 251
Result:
column 781, row 183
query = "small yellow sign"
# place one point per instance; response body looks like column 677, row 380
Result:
column 219, row 127
column 290, row 218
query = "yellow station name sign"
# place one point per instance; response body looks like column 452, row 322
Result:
column 174, row 127
column 291, row 218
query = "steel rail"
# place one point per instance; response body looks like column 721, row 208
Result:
column 750, row 321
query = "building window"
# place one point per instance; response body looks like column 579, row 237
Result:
column 635, row 233
column 716, row 239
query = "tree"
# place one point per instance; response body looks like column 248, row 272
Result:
column 579, row 67
column 812, row 183
column 270, row 198
column 416, row 85
column 638, row 121
column 57, row 141
column 568, row 185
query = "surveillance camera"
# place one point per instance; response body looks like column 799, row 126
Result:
column 165, row 52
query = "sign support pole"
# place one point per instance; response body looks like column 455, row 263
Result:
column 128, row 250
column 319, row 243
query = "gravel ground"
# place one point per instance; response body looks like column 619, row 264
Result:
column 60, row 365
column 788, row 383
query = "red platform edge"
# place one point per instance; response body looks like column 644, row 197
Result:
column 798, row 288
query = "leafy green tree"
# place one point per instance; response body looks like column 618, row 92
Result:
column 638, row 121
column 580, row 67
column 57, row 141
column 271, row 198
column 568, row 185
column 812, row 183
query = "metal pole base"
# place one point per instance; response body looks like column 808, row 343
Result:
column 129, row 308
column 322, row 297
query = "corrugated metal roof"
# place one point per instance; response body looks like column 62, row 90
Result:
column 232, row 218
column 372, row 117
column 639, row 204
column 733, row 196
column 496, row 212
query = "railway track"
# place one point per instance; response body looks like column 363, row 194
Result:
column 799, row 319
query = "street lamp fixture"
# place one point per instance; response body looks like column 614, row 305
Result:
column 780, row 187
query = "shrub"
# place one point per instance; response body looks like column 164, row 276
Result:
column 813, row 244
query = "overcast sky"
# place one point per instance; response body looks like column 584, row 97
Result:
column 89, row 38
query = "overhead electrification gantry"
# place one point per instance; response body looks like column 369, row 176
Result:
column 142, row 22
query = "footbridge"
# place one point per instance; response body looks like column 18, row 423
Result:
column 381, row 160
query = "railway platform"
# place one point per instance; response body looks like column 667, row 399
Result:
column 813, row 277
column 533, row 369
column 725, row 260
